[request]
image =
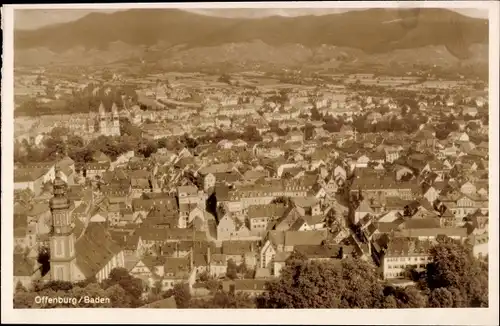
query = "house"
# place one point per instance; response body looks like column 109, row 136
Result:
column 362, row 161
column 174, row 270
column 217, row 264
column 364, row 208
column 231, row 227
column 240, row 252
column 430, row 193
column 259, row 217
column 391, row 154
column 95, row 170
column 250, row 287
column 285, row 241
column 383, row 186
column 468, row 188
column 29, row 178
column 325, row 251
column 470, row 110
column 400, row 254
column 340, row 173
column 456, row 136
column 307, row 205
column 480, row 245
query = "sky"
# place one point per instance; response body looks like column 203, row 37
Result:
column 29, row 19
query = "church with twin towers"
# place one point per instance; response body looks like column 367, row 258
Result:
column 109, row 122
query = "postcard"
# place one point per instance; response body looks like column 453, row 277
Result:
column 320, row 162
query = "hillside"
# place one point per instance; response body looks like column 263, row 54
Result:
column 175, row 36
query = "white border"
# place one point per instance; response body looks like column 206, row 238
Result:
column 374, row 317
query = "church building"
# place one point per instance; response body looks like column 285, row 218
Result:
column 78, row 256
column 109, row 122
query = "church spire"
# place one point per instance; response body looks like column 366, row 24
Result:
column 102, row 109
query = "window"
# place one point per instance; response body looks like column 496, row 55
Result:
column 59, row 247
column 59, row 273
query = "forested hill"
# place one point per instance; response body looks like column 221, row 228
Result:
column 370, row 31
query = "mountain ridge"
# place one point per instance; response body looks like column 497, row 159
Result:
column 139, row 31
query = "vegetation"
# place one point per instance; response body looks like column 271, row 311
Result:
column 454, row 278
column 123, row 290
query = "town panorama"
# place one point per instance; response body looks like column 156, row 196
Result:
column 188, row 160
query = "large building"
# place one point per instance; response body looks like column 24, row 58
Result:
column 104, row 122
column 109, row 122
column 78, row 253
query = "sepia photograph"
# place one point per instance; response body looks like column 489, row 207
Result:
column 238, row 156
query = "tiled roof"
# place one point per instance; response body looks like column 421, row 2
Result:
column 403, row 246
column 294, row 238
column 95, row 249
column 28, row 174
column 433, row 232
column 324, row 251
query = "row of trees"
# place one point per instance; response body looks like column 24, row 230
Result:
column 454, row 278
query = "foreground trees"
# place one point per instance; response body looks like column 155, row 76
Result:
column 454, row 278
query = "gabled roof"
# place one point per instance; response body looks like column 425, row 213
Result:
column 95, row 249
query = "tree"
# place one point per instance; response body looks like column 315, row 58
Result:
column 407, row 297
column 455, row 268
column 118, row 297
column 182, row 295
column 440, row 298
column 222, row 299
column 132, row 286
column 232, row 269
column 92, row 290
column 304, row 284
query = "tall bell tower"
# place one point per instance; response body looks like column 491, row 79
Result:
column 62, row 239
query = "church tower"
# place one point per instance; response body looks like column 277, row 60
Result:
column 103, row 124
column 115, row 121
column 62, row 239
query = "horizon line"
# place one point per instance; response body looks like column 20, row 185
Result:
column 32, row 19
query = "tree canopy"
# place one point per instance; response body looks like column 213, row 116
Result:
column 454, row 278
